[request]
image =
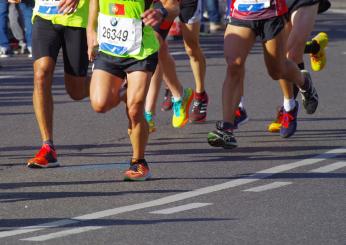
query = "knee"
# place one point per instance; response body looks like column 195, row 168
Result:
column 77, row 88
column 276, row 73
column 41, row 79
column 235, row 66
column 75, row 94
column 193, row 50
column 99, row 107
column 136, row 112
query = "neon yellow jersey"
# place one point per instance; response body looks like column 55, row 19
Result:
column 121, row 32
column 48, row 9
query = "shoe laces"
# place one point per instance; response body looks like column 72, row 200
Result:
column 198, row 105
column 279, row 114
column 176, row 107
column 43, row 151
column 238, row 112
column 286, row 119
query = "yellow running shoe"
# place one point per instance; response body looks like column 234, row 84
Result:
column 275, row 126
column 319, row 60
column 181, row 109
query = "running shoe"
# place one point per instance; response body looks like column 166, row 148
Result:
column 309, row 96
column 167, row 101
column 275, row 126
column 138, row 171
column 240, row 117
column 289, row 122
column 222, row 136
column 45, row 158
column 199, row 109
column 318, row 61
column 181, row 109
column 149, row 118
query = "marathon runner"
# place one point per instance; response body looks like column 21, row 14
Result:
column 251, row 19
column 57, row 25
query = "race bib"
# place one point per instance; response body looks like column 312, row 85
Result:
column 251, row 5
column 47, row 6
column 119, row 36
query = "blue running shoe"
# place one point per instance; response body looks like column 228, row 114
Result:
column 240, row 117
column 289, row 122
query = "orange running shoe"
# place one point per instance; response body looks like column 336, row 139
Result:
column 45, row 158
column 138, row 171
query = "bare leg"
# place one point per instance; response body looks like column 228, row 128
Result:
column 138, row 85
column 42, row 96
column 197, row 60
column 237, row 45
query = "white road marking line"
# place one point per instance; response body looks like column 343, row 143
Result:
column 181, row 196
column 337, row 11
column 329, row 168
column 181, row 208
column 62, row 233
column 270, row 186
column 343, row 52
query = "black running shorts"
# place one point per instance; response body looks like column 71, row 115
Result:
column 190, row 11
column 265, row 29
column 293, row 5
column 119, row 66
column 47, row 39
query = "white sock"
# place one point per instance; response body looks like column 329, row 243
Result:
column 289, row 104
column 241, row 103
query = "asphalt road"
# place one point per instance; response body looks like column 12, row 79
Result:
column 269, row 190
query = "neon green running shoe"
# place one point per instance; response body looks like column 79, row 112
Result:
column 181, row 109
column 319, row 60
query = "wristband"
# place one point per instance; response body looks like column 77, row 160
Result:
column 163, row 11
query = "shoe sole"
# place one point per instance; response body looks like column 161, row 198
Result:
column 147, row 177
column 49, row 165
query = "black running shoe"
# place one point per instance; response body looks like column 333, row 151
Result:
column 309, row 96
column 222, row 136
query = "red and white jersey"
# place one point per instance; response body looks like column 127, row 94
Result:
column 256, row 9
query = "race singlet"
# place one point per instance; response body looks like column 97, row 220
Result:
column 47, row 6
column 119, row 36
column 251, row 5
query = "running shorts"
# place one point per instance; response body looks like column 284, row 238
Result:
column 190, row 12
column 265, row 29
column 48, row 38
column 119, row 66
column 293, row 5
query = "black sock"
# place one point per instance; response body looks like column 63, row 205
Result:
column 301, row 66
column 50, row 143
column 312, row 47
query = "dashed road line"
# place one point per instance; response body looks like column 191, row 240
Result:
column 181, row 208
column 62, row 233
column 179, row 197
column 267, row 187
column 329, row 168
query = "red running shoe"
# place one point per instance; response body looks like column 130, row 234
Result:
column 138, row 171
column 45, row 158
